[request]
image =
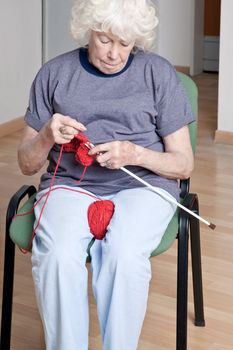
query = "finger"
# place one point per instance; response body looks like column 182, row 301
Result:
column 67, row 130
column 109, row 164
column 103, row 157
column 68, row 121
column 104, row 147
column 67, row 137
column 104, row 164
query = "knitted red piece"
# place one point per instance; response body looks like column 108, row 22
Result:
column 82, row 155
column 100, row 212
column 99, row 215
column 77, row 146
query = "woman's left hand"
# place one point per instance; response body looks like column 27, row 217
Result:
column 116, row 154
column 175, row 163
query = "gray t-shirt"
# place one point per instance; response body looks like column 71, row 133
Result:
column 142, row 104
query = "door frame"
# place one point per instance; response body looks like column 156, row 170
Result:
column 197, row 36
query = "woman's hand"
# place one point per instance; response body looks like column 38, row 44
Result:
column 116, row 154
column 61, row 129
column 35, row 146
column 175, row 163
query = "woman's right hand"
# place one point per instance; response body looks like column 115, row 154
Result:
column 61, row 129
column 35, row 146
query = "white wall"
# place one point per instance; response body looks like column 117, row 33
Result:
column 20, row 57
column 225, row 110
column 56, row 28
column 175, row 30
column 21, row 38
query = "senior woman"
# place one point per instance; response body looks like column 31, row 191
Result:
column 130, row 104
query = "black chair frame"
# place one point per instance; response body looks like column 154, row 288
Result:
column 187, row 224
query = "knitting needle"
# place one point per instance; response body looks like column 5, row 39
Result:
column 170, row 199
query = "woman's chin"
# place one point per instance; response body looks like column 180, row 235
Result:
column 110, row 69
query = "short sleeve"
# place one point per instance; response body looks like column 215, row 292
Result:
column 174, row 109
column 40, row 108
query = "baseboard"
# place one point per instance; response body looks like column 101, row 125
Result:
column 11, row 126
column 225, row 137
column 183, row 69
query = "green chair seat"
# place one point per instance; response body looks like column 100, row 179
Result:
column 21, row 227
column 169, row 235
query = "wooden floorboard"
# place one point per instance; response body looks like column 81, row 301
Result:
column 212, row 179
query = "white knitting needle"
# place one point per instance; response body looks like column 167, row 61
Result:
column 170, row 199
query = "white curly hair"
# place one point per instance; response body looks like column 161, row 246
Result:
column 130, row 20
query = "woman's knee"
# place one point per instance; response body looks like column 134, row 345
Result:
column 130, row 261
column 62, row 250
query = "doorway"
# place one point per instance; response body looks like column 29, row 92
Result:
column 205, row 39
column 211, row 35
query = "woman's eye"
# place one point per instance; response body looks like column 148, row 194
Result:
column 104, row 40
column 125, row 44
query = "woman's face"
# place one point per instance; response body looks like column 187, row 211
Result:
column 108, row 52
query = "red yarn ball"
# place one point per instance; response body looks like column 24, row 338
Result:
column 99, row 215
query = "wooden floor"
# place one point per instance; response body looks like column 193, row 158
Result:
column 213, row 181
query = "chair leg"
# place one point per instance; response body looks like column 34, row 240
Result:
column 182, row 283
column 9, row 262
column 7, row 298
column 196, row 267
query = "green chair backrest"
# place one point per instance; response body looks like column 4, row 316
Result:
column 172, row 229
column 192, row 93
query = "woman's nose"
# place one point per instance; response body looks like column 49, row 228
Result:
column 113, row 52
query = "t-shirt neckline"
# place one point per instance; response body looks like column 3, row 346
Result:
column 83, row 57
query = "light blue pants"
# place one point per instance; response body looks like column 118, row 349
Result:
column 121, row 269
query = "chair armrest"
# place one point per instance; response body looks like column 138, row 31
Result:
column 184, row 187
column 190, row 202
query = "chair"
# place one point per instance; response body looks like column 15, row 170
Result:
column 180, row 226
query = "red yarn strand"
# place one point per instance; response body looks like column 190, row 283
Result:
column 99, row 212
